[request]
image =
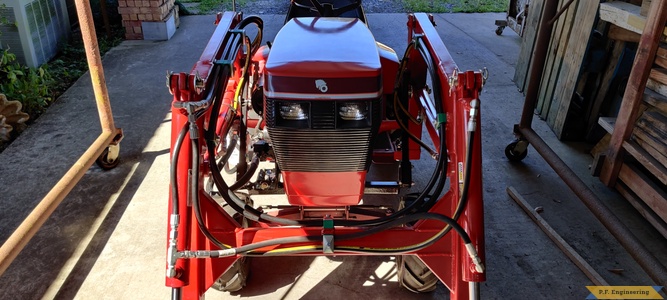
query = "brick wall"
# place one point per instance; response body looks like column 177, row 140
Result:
column 134, row 12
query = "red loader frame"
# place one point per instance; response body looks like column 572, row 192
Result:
column 194, row 262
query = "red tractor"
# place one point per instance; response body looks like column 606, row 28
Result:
column 326, row 116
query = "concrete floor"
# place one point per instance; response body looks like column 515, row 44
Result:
column 107, row 239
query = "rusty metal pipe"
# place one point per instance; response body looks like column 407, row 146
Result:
column 538, row 61
column 22, row 235
column 95, row 64
column 623, row 235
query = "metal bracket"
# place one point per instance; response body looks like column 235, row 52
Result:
column 328, row 234
column 453, row 80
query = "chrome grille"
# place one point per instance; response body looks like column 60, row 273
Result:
column 321, row 150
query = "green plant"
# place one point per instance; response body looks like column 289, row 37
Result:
column 30, row 86
column 466, row 6
column 211, row 6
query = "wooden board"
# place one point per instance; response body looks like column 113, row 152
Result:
column 618, row 33
column 607, row 123
column 650, row 144
column 642, row 208
column 656, row 120
column 571, row 68
column 649, row 192
column 659, row 75
column 661, row 56
column 625, row 15
column 657, row 87
column 522, row 68
column 646, row 5
column 657, row 101
column 655, row 167
column 557, row 50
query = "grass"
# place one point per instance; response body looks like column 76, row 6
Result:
column 210, row 6
column 434, row 6
column 457, row 6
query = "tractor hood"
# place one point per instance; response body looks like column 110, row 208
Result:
column 323, row 58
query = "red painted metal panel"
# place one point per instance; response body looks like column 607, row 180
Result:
column 324, row 189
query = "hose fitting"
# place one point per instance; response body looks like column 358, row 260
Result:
column 476, row 260
column 474, row 111
column 172, row 251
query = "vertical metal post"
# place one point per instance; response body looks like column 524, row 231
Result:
column 22, row 235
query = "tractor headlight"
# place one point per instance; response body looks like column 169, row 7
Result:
column 353, row 111
column 293, row 111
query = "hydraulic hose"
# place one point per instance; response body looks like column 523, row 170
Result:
column 254, row 163
column 399, row 80
column 172, row 171
column 194, row 195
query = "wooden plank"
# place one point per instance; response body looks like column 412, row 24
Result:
column 621, row 34
column 646, row 189
column 649, row 162
column 659, row 75
column 661, row 56
column 657, row 87
column 661, row 61
column 650, row 150
column 634, row 90
column 651, row 135
column 625, row 15
column 522, row 68
column 656, row 120
column 557, row 239
column 607, row 123
column 601, row 145
column 654, row 124
column 571, row 68
column 557, row 50
column 605, row 82
column 646, row 5
column 642, row 208
column 556, row 32
column 656, row 100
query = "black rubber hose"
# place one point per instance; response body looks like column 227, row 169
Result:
column 386, row 226
column 172, row 170
column 194, row 195
column 260, row 26
column 230, row 148
column 248, row 174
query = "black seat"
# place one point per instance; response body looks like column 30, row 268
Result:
column 305, row 8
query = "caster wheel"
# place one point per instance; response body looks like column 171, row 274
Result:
column 499, row 30
column 516, row 150
column 109, row 158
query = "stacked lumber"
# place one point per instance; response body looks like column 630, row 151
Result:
column 642, row 179
column 641, row 174
column 657, row 80
column 567, row 49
